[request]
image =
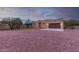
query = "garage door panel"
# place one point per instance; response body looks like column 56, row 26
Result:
column 54, row 25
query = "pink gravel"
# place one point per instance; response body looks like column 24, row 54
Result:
column 32, row 40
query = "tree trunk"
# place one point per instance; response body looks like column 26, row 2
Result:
column 11, row 26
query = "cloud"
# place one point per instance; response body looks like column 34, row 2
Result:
column 39, row 12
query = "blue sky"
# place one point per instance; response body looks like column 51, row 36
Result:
column 37, row 13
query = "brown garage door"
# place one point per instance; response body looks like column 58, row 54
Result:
column 54, row 25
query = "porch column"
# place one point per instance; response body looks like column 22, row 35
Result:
column 62, row 25
column 47, row 25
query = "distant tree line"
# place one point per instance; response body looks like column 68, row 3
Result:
column 28, row 23
column 71, row 23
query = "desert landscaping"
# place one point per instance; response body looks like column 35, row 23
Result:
column 35, row 40
column 39, row 29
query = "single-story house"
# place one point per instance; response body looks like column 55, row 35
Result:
column 48, row 23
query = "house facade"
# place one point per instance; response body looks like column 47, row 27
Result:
column 49, row 23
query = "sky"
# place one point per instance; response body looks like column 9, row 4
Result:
column 38, row 13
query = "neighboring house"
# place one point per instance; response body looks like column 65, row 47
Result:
column 4, row 26
column 49, row 23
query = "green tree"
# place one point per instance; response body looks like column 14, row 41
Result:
column 12, row 22
column 18, row 23
column 8, row 21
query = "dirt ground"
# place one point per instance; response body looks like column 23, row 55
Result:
column 32, row 40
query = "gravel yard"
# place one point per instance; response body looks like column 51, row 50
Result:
column 32, row 40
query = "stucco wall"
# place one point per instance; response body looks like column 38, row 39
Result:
column 45, row 23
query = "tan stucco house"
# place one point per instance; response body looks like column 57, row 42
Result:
column 48, row 23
